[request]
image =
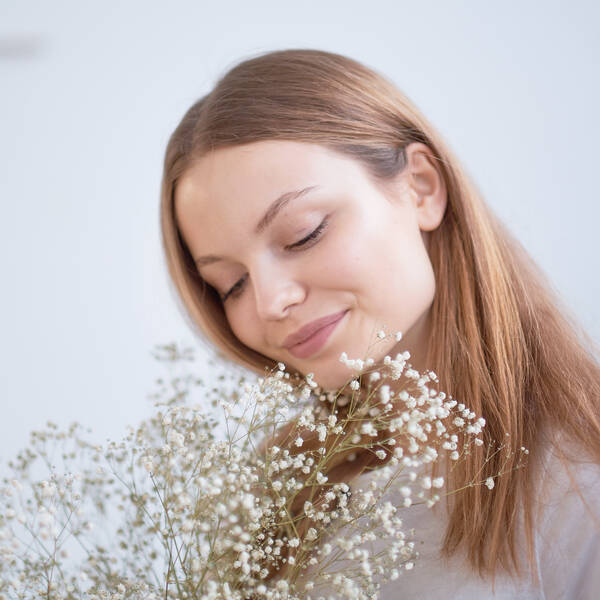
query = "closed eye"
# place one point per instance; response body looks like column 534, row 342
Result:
column 313, row 237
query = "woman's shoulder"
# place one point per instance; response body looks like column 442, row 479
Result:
column 567, row 505
column 566, row 469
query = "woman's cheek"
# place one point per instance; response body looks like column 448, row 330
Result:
column 343, row 256
column 244, row 323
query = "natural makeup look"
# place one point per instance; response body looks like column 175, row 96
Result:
column 299, row 240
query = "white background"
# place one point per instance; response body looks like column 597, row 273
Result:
column 90, row 92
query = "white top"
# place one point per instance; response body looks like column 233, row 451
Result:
column 567, row 547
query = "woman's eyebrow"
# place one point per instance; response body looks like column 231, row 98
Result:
column 278, row 204
column 267, row 218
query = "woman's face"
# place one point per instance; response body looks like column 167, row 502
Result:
column 343, row 249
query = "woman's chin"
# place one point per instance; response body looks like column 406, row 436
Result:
column 329, row 381
column 329, row 374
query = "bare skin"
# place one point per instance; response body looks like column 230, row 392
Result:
column 369, row 256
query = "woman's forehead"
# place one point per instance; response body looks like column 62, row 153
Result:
column 254, row 175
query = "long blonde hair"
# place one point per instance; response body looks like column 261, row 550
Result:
column 501, row 339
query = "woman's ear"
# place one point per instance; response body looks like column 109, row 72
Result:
column 427, row 187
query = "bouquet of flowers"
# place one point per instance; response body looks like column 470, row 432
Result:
column 240, row 495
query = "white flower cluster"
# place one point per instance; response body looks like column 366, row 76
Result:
column 228, row 515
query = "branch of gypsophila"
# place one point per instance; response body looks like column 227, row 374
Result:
column 134, row 492
column 281, row 528
column 474, row 483
column 214, row 559
column 54, row 562
column 285, row 434
column 326, row 564
column 172, row 539
column 488, row 457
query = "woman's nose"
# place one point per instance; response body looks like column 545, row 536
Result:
column 276, row 288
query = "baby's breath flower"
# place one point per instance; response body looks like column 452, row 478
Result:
column 368, row 429
column 321, row 479
column 322, row 432
column 384, row 394
column 229, row 500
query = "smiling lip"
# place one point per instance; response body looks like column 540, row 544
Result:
column 310, row 338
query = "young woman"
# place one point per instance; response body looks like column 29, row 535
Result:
column 306, row 204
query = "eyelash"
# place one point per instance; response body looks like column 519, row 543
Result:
column 314, row 235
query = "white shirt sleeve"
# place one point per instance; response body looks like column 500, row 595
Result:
column 568, row 538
